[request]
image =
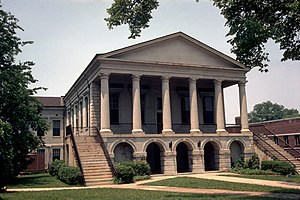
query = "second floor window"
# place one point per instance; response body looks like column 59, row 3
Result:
column 297, row 140
column 114, row 108
column 286, row 140
column 56, row 128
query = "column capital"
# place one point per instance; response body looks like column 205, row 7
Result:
column 242, row 83
column 218, row 82
column 104, row 75
column 136, row 77
column 165, row 78
column 193, row 80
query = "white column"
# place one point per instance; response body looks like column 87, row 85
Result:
column 194, row 107
column 136, row 105
column 167, row 119
column 104, row 93
column 219, row 107
column 243, row 107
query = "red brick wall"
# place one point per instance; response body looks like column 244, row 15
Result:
column 38, row 163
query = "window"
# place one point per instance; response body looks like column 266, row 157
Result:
column 56, row 128
column 55, row 154
column 40, row 133
column 276, row 139
column 185, row 110
column 76, row 119
column 41, row 151
column 297, row 140
column 286, row 140
column 143, row 108
column 86, row 101
column 114, row 108
column 208, row 109
column 81, row 116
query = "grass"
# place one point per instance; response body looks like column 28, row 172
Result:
column 295, row 179
column 188, row 182
column 36, row 181
column 115, row 194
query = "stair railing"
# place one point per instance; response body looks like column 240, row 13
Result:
column 262, row 139
column 70, row 132
column 106, row 153
column 285, row 144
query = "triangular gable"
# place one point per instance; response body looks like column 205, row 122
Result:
column 176, row 48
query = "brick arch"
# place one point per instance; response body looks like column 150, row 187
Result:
column 115, row 143
column 188, row 142
column 159, row 142
column 228, row 144
column 215, row 142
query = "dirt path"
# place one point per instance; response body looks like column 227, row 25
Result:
column 214, row 176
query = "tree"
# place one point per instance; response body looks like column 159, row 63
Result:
column 267, row 111
column 19, row 110
column 251, row 24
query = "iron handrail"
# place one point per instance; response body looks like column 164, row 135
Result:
column 285, row 144
column 106, row 153
column 261, row 139
column 70, row 132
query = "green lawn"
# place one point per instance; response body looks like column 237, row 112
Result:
column 115, row 194
column 214, row 184
column 36, row 181
column 295, row 179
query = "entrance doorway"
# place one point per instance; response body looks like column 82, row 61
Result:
column 236, row 151
column 211, row 157
column 182, row 157
column 154, row 158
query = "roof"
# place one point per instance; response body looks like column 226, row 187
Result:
column 51, row 101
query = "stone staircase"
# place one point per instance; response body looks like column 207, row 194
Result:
column 95, row 167
column 270, row 148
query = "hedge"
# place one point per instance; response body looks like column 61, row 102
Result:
column 128, row 172
column 280, row 167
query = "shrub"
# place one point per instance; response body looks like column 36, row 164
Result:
column 141, row 168
column 70, row 175
column 128, row 172
column 124, row 173
column 254, row 172
column 253, row 162
column 54, row 167
column 280, row 167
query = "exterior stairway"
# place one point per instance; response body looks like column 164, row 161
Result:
column 95, row 166
column 270, row 148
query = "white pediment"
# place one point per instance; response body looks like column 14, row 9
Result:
column 177, row 48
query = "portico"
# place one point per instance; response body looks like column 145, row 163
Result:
column 162, row 101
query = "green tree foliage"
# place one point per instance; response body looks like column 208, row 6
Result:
column 267, row 111
column 251, row 24
column 19, row 110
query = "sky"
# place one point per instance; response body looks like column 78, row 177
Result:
column 68, row 33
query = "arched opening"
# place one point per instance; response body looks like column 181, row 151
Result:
column 123, row 152
column 182, row 158
column 211, row 157
column 236, row 151
column 154, row 158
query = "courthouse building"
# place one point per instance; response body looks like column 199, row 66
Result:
column 161, row 101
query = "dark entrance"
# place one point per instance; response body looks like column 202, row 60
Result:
column 182, row 158
column 210, row 157
column 154, row 158
column 236, row 152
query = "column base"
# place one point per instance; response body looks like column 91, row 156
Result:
column 137, row 131
column 246, row 130
column 222, row 132
column 106, row 131
column 168, row 131
column 195, row 131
